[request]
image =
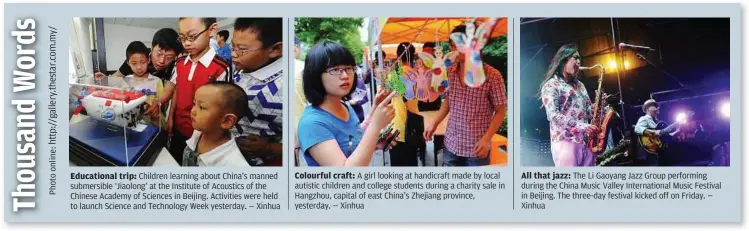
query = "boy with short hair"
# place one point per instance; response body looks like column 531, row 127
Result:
column 218, row 107
column 137, row 59
column 224, row 49
column 201, row 65
column 257, row 49
column 141, row 80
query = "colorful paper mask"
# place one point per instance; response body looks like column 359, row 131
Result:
column 470, row 45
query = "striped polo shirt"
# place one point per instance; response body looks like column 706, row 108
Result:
column 264, row 89
column 189, row 75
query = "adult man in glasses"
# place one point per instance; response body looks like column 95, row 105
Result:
column 164, row 49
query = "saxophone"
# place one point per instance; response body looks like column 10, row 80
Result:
column 602, row 114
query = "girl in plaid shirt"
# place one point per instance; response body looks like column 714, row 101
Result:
column 568, row 109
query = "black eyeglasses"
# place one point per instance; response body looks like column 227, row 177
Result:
column 182, row 39
column 339, row 71
column 242, row 51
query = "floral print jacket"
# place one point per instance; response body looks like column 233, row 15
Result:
column 568, row 109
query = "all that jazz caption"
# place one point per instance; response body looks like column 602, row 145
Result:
column 203, row 92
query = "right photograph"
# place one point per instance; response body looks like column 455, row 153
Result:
column 624, row 92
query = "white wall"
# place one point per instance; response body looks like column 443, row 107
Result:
column 80, row 47
column 118, row 36
column 227, row 24
column 116, row 39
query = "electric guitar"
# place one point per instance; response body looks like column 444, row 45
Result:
column 654, row 144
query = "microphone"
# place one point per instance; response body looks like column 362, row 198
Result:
column 624, row 46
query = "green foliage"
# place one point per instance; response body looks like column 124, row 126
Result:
column 496, row 47
column 503, row 129
column 341, row 30
column 445, row 47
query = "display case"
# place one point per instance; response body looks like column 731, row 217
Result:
column 116, row 121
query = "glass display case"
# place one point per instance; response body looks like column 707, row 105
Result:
column 116, row 121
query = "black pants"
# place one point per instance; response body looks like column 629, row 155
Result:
column 652, row 160
column 177, row 146
column 407, row 153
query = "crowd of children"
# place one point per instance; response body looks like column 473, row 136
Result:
column 221, row 100
column 223, row 105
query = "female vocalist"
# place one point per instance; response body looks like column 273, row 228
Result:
column 568, row 109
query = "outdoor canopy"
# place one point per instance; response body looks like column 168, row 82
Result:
column 421, row 30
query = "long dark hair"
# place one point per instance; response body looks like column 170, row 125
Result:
column 557, row 63
column 322, row 56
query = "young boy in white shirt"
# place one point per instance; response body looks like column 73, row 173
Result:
column 218, row 106
column 138, row 60
column 142, row 81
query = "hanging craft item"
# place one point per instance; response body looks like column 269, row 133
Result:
column 381, row 74
column 438, row 65
column 470, row 45
column 394, row 81
column 409, row 84
column 423, row 77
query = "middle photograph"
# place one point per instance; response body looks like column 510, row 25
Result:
column 385, row 91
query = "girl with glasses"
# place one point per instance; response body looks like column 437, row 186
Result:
column 329, row 132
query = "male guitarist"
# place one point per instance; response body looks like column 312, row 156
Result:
column 648, row 125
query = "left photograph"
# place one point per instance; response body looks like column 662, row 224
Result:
column 192, row 92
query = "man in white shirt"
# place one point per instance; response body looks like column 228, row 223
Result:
column 225, row 155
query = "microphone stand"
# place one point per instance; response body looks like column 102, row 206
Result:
column 641, row 56
column 620, row 64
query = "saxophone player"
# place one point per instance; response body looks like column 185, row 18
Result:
column 568, row 109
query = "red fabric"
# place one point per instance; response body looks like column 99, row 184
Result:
column 183, row 102
column 471, row 109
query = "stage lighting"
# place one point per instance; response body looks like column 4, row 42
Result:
column 725, row 109
column 681, row 117
column 626, row 64
column 612, row 64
